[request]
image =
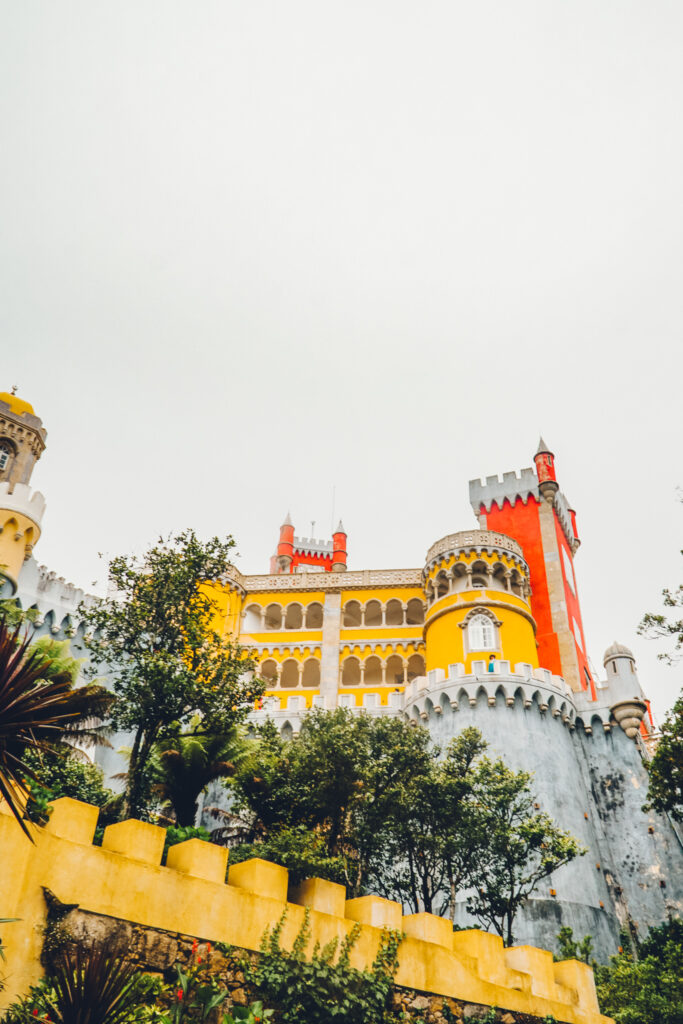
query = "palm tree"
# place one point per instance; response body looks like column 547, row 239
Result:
column 39, row 710
column 188, row 762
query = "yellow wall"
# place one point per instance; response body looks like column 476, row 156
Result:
column 445, row 639
column 17, row 537
column 124, row 879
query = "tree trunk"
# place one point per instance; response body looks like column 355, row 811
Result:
column 127, row 806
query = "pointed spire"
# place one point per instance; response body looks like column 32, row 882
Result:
column 340, row 528
column 543, row 448
column 288, row 520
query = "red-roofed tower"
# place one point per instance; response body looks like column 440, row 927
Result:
column 531, row 508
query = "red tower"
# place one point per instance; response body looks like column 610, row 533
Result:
column 306, row 552
column 285, row 548
column 339, row 548
column 530, row 508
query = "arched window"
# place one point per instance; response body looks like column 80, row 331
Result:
column 372, row 676
column 293, row 616
column 273, row 616
column 311, row 676
column 415, row 613
column 373, row 613
column 5, row 455
column 351, row 672
column 481, row 633
column 269, row 671
column 314, row 616
column 253, row 619
column 394, row 613
column 290, row 674
column 416, row 666
column 352, row 615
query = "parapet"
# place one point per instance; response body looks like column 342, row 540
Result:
column 124, row 879
column 513, row 487
column 20, row 498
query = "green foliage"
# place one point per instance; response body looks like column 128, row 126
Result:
column 370, row 803
column 523, row 846
column 659, row 627
column 64, row 774
column 324, row 987
column 570, row 949
column 93, row 986
column 161, row 639
column 14, row 615
column 339, row 780
column 38, row 707
column 180, row 834
column 648, row 990
column 254, row 1014
column 665, row 787
column 297, row 848
column 435, row 829
column 185, row 763
column 195, row 997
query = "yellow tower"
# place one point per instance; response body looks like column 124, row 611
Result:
column 477, row 588
column 22, row 442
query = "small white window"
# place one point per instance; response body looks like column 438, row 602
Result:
column 568, row 571
column 5, row 455
column 577, row 634
column 481, row 633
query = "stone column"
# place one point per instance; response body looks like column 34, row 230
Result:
column 329, row 659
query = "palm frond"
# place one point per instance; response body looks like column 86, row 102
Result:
column 34, row 714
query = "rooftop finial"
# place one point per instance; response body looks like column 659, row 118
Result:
column 14, row 389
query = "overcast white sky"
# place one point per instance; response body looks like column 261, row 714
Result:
column 253, row 251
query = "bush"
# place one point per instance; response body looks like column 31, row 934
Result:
column 323, row 989
column 647, row 990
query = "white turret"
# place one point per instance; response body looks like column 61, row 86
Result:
column 623, row 690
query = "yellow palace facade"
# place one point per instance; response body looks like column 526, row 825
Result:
column 331, row 637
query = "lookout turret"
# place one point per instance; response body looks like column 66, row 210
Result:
column 22, row 442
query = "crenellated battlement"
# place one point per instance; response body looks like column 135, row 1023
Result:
column 512, row 486
column 535, row 689
column 125, row 879
column 20, row 498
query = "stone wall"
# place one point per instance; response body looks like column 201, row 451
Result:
column 157, row 952
column 125, row 879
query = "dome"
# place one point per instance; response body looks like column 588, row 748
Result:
column 616, row 650
column 17, row 405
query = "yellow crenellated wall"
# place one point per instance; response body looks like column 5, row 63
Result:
column 124, row 879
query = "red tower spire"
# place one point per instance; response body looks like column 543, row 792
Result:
column 285, row 548
column 339, row 548
column 545, row 470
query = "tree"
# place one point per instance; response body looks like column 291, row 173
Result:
column 665, row 786
column 340, row 780
column 65, row 774
column 184, row 765
column 659, row 627
column 665, row 789
column 570, row 948
column 649, row 989
column 523, row 846
column 161, row 638
column 40, row 710
column 435, row 831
